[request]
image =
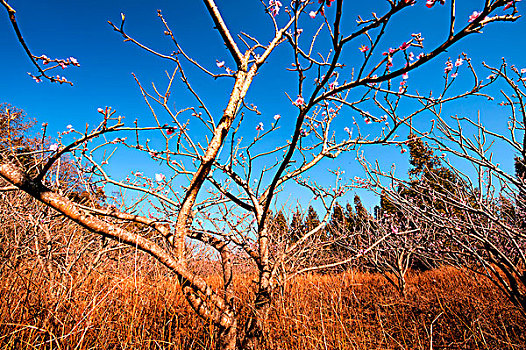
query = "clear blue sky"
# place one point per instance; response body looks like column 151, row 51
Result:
column 61, row 29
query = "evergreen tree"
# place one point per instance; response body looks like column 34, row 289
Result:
column 312, row 220
column 278, row 223
column 429, row 182
column 350, row 218
column 361, row 213
column 337, row 221
column 421, row 156
column 296, row 226
column 520, row 168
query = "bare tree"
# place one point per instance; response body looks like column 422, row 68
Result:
column 478, row 213
column 245, row 174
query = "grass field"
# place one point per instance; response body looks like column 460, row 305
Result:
column 442, row 309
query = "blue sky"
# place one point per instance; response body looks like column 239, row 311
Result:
column 62, row 29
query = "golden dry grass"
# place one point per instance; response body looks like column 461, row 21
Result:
column 117, row 310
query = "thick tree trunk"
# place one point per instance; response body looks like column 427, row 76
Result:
column 229, row 338
column 255, row 329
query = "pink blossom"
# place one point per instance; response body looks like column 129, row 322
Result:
column 333, row 85
column 313, row 14
column 403, row 150
column 276, row 5
column 159, row 177
column 363, row 48
column 367, row 120
column 420, row 55
column 508, row 5
column 53, row 147
column 38, row 80
column 100, row 110
column 390, row 62
column 431, row 3
column 299, row 101
column 449, row 67
column 170, row 130
column 259, row 127
column 346, row 129
column 62, row 65
column 276, row 117
column 220, row 64
column 523, row 70
column 459, row 62
column 454, row 75
column 404, row 46
column 401, row 89
column 474, row 16
column 405, row 76
column 391, row 50
column 69, row 126
column 411, row 56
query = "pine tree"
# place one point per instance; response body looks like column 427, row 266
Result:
column 387, row 207
column 421, row 156
column 362, row 215
column 350, row 218
column 337, row 221
column 430, row 182
column 520, row 168
column 296, row 226
column 312, row 220
column 279, row 223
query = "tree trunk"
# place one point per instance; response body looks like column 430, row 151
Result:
column 228, row 338
column 255, row 330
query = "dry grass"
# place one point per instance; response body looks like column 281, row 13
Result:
column 127, row 310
